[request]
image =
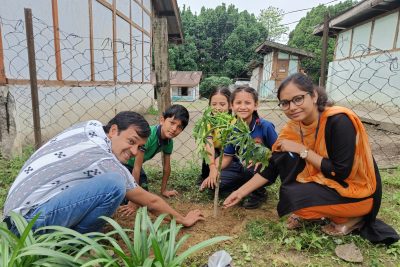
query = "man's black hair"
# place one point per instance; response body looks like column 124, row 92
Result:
column 178, row 112
column 126, row 119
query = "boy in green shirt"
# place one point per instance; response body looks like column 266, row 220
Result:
column 172, row 123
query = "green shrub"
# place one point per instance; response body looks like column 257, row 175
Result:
column 210, row 83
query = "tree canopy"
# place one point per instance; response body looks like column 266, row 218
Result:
column 220, row 41
column 272, row 18
column 302, row 37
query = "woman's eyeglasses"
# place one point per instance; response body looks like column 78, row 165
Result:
column 297, row 100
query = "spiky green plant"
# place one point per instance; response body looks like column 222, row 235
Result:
column 233, row 131
column 154, row 244
column 29, row 249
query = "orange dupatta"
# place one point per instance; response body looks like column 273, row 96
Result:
column 361, row 181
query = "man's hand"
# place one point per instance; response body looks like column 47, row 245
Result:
column 128, row 209
column 232, row 199
column 192, row 217
column 170, row 193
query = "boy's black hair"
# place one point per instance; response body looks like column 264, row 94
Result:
column 126, row 119
column 178, row 112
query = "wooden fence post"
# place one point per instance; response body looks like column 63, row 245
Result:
column 2, row 71
column 324, row 55
column 33, row 77
column 57, row 47
column 161, row 66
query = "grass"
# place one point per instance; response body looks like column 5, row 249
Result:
column 9, row 169
column 266, row 241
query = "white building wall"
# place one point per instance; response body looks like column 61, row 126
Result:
column 267, row 86
column 370, row 74
column 371, row 79
column 255, row 79
column 293, row 64
column 61, row 107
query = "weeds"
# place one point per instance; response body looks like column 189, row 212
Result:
column 152, row 111
column 257, row 229
column 9, row 169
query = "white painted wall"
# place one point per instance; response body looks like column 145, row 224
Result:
column 370, row 79
column 369, row 74
column 61, row 107
column 267, row 86
column 255, row 79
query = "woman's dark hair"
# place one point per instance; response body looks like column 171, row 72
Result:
column 305, row 84
column 126, row 119
column 178, row 112
column 222, row 90
column 247, row 89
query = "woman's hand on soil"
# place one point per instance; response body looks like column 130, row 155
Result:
column 232, row 199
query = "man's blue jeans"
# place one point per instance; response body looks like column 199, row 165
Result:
column 79, row 207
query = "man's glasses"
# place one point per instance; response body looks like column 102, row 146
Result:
column 297, row 100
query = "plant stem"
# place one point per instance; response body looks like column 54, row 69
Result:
column 216, row 192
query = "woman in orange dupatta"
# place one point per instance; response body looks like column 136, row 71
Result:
column 324, row 160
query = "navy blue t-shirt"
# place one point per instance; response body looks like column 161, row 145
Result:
column 262, row 131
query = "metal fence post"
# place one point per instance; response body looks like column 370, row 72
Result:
column 33, row 77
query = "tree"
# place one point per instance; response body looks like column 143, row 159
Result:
column 210, row 83
column 232, row 131
column 302, row 37
column 218, row 41
column 272, row 18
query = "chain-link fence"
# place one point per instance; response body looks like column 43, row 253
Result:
column 368, row 84
column 91, row 86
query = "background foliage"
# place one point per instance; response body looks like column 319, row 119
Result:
column 301, row 37
column 222, row 41
column 210, row 83
column 218, row 41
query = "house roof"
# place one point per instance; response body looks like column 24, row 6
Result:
column 358, row 13
column 185, row 78
column 170, row 10
column 254, row 64
column 269, row 46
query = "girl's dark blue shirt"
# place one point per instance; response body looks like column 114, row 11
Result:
column 262, row 131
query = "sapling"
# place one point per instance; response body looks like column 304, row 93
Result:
column 233, row 131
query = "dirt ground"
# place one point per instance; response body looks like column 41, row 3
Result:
column 230, row 222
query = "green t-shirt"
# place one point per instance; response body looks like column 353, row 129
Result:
column 154, row 145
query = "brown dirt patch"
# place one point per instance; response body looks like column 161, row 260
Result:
column 230, row 222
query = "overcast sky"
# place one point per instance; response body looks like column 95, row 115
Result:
column 255, row 6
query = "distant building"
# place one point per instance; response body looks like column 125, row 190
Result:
column 279, row 61
column 185, row 85
column 365, row 66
